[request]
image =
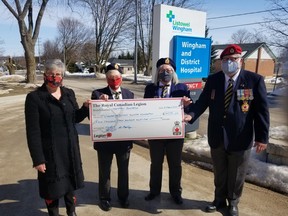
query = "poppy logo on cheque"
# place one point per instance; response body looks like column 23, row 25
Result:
column 178, row 25
column 177, row 128
column 109, row 134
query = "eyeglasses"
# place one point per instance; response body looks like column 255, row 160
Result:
column 113, row 78
column 54, row 75
column 168, row 71
column 233, row 59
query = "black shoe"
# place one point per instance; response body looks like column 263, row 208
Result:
column 72, row 214
column 105, row 205
column 233, row 210
column 178, row 199
column 150, row 196
column 124, row 203
column 216, row 206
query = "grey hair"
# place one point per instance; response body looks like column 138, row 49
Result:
column 54, row 64
column 108, row 73
column 174, row 76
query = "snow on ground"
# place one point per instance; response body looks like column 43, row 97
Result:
column 259, row 172
column 12, row 78
column 268, row 175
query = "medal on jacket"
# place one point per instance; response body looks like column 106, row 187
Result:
column 245, row 106
column 245, row 94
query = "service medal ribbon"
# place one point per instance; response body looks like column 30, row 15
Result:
column 251, row 97
column 240, row 94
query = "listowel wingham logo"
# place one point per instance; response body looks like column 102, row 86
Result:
column 178, row 25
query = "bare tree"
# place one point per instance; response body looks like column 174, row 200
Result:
column 72, row 34
column 241, row 36
column 1, row 48
column 87, row 53
column 51, row 50
column 28, row 31
column 10, row 66
column 145, row 22
column 277, row 23
column 259, row 36
column 244, row 36
column 283, row 55
column 111, row 19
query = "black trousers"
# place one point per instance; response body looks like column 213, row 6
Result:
column 173, row 150
column 53, row 205
column 104, row 164
column 229, row 173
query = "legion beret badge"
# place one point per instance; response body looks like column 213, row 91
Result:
column 167, row 61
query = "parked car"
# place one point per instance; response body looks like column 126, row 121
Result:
column 278, row 97
column 280, row 92
column 277, row 80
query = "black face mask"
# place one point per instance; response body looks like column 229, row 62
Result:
column 165, row 76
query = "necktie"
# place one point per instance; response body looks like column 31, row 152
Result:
column 117, row 95
column 164, row 91
column 228, row 95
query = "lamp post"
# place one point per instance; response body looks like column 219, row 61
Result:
column 136, row 44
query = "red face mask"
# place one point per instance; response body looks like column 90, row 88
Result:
column 53, row 81
column 114, row 83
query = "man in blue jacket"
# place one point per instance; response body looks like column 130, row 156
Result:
column 238, row 120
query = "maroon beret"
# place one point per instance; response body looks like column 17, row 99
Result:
column 167, row 60
column 113, row 66
column 230, row 50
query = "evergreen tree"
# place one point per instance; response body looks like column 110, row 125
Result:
column 213, row 51
column 126, row 55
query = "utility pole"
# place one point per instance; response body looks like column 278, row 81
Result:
column 136, row 44
column 64, row 55
column 64, row 59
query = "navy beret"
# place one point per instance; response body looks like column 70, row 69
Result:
column 230, row 50
column 167, row 60
column 113, row 66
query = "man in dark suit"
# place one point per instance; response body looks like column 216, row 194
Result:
column 106, row 150
column 166, row 85
column 238, row 117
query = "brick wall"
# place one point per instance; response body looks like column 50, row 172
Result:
column 265, row 68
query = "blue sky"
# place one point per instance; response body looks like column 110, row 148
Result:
column 12, row 46
column 226, row 7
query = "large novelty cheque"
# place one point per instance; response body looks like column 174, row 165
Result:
column 136, row 119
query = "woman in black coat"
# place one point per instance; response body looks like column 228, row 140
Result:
column 51, row 112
